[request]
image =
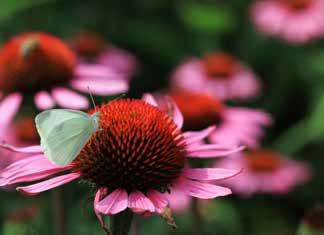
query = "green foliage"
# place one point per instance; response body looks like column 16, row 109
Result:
column 10, row 7
column 304, row 229
column 208, row 18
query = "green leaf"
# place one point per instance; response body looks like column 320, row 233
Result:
column 293, row 139
column 306, row 230
column 316, row 62
column 10, row 7
column 207, row 18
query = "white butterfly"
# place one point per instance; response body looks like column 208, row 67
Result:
column 64, row 133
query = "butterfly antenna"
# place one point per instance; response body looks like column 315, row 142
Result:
column 92, row 100
column 120, row 96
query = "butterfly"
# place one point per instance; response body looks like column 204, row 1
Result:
column 64, row 133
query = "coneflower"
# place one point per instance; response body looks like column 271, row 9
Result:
column 265, row 171
column 235, row 125
column 296, row 21
column 138, row 157
column 43, row 66
column 92, row 48
column 218, row 75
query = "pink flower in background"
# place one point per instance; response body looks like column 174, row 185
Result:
column 92, row 48
column 45, row 67
column 8, row 109
column 264, row 171
column 139, row 156
column 297, row 21
column 218, row 75
column 234, row 125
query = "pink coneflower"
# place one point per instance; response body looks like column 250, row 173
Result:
column 218, row 75
column 92, row 48
column 297, row 21
column 235, row 126
column 139, row 156
column 44, row 66
column 264, row 171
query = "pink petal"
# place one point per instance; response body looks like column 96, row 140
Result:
column 114, row 203
column 148, row 98
column 69, row 99
column 101, row 86
column 177, row 115
column 29, row 149
column 96, row 201
column 159, row 200
column 139, row 203
column 179, row 201
column 196, row 136
column 204, row 190
column 8, row 108
column 210, row 151
column 48, row 184
column 25, row 162
column 96, row 71
column 44, row 100
column 30, row 175
column 210, row 173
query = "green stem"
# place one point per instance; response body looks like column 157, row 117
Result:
column 59, row 212
column 121, row 223
column 197, row 224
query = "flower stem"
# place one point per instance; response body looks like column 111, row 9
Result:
column 197, row 224
column 59, row 212
column 121, row 223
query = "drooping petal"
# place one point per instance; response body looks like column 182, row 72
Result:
column 203, row 190
column 48, row 184
column 196, row 136
column 95, row 202
column 8, row 109
column 29, row 149
column 139, row 203
column 210, row 151
column 210, row 173
column 44, row 100
column 30, row 175
column 34, row 161
column 114, row 203
column 101, row 86
column 69, row 99
column 159, row 200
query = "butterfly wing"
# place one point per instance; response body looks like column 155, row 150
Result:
column 64, row 133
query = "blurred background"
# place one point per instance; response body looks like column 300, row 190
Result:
column 161, row 34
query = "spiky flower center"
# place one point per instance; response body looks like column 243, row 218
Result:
column 138, row 147
column 219, row 65
column 297, row 5
column 262, row 160
column 199, row 111
column 35, row 61
column 25, row 130
column 89, row 45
